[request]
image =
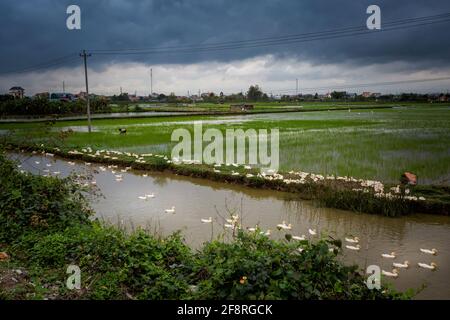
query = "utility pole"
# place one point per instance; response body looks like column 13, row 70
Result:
column 85, row 55
column 296, row 87
column 151, row 81
column 64, row 87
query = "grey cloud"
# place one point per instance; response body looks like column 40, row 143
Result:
column 33, row 32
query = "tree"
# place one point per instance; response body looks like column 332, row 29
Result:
column 338, row 95
column 254, row 93
column 121, row 97
column 172, row 98
column 6, row 97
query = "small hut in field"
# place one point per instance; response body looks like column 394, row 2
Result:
column 241, row 107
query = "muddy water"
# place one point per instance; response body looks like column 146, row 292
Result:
column 195, row 199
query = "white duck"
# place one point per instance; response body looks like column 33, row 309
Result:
column 171, row 210
column 393, row 274
column 209, row 220
column 284, row 226
column 428, row 251
column 431, row 266
column 312, row 232
column 151, row 195
column 229, row 226
column 299, row 238
column 401, row 265
column 143, row 197
column 352, row 240
column 389, row 255
column 355, row 248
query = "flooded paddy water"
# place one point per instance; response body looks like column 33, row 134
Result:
column 196, row 199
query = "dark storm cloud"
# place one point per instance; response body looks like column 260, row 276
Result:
column 32, row 32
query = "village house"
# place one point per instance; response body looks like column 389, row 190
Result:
column 17, row 92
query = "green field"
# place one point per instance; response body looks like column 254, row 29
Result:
column 258, row 106
column 376, row 144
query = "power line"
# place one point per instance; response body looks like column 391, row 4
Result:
column 288, row 37
column 51, row 63
column 262, row 42
column 252, row 43
column 362, row 85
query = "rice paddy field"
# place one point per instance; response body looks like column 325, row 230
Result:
column 374, row 143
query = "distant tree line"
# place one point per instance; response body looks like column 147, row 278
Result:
column 256, row 94
column 344, row 96
column 40, row 106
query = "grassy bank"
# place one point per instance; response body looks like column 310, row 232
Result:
column 346, row 193
column 45, row 226
column 377, row 144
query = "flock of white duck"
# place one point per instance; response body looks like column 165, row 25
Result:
column 114, row 169
column 351, row 243
column 292, row 177
column 396, row 265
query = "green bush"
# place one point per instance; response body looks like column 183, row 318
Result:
column 35, row 203
column 119, row 265
column 255, row 267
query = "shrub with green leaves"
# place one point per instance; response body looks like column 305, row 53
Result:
column 255, row 267
column 35, row 203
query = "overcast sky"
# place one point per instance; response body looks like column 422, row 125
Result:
column 35, row 32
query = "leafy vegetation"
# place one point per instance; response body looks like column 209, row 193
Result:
column 32, row 203
column 138, row 265
column 33, row 107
